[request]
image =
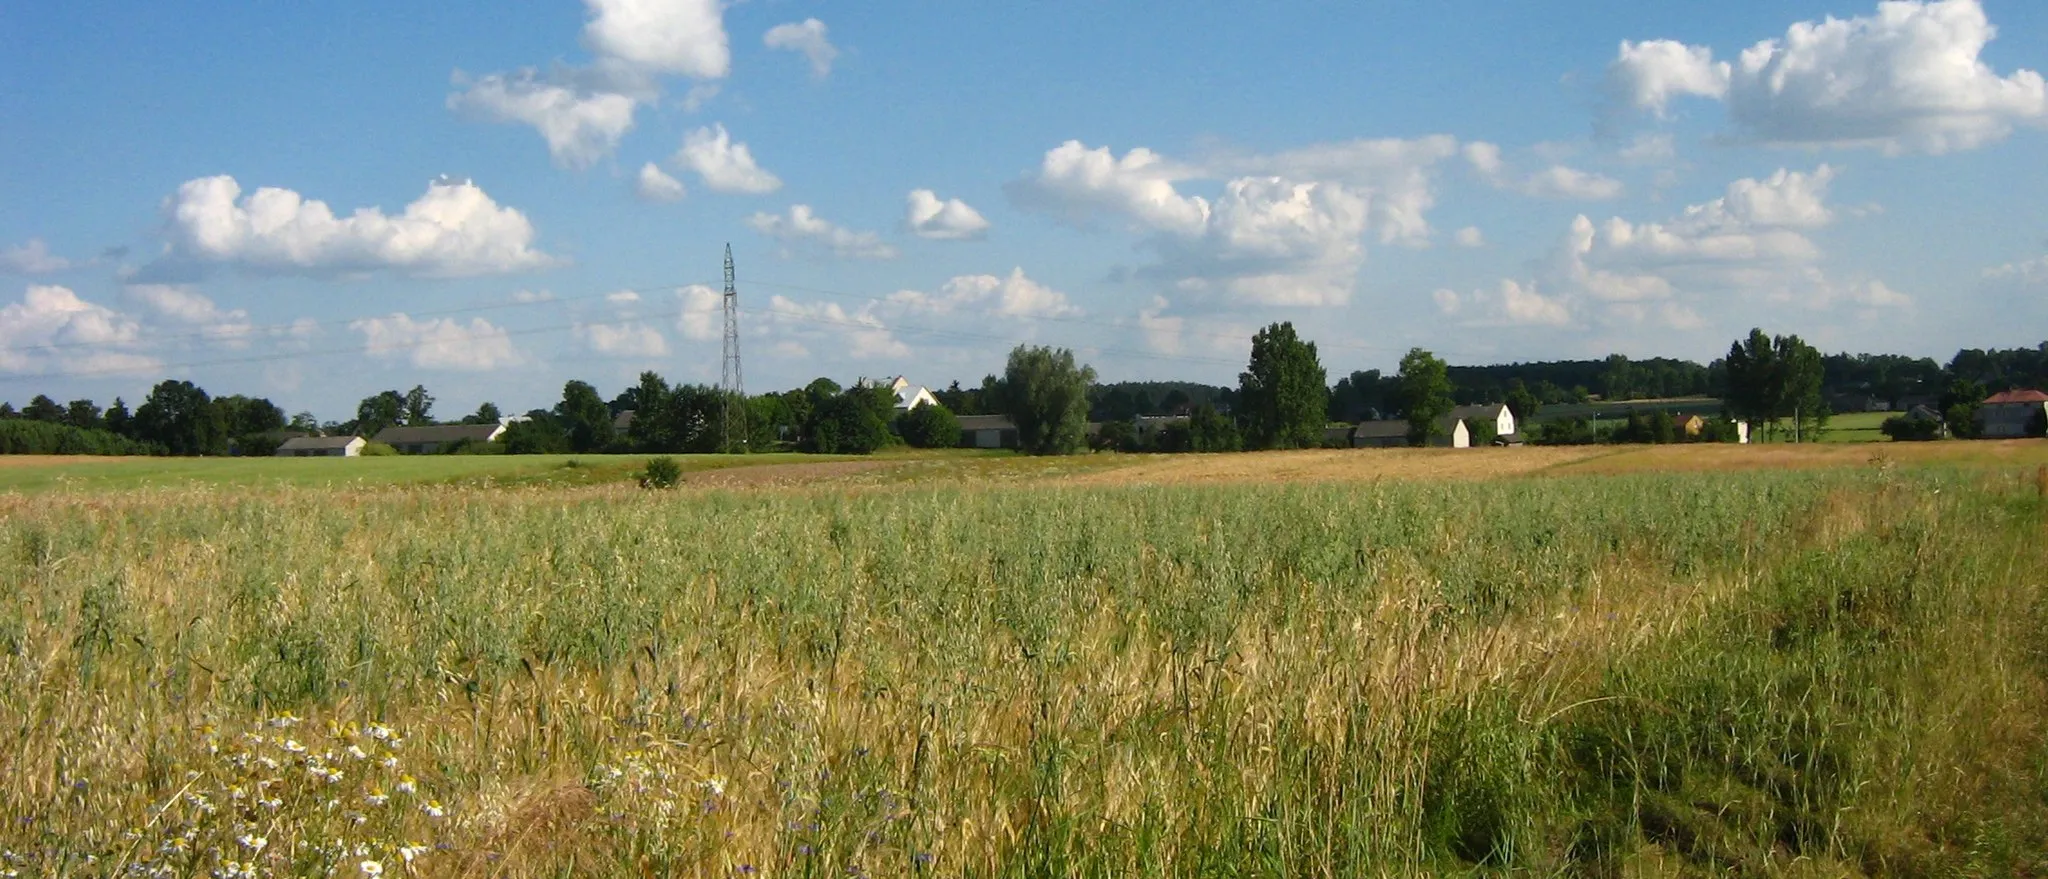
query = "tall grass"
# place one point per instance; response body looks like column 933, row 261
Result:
column 1837, row 672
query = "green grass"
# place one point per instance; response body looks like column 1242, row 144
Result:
column 86, row 473
column 1818, row 673
column 1857, row 427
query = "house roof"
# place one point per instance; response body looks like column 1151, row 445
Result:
column 438, row 433
column 1379, row 429
column 313, row 443
column 1482, row 410
column 1923, row 413
column 624, row 419
column 906, row 395
column 986, row 422
column 2019, row 395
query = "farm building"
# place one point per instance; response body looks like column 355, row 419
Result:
column 908, row 396
column 321, row 447
column 623, row 421
column 429, row 439
column 1390, row 433
column 2011, row 413
column 1148, row 427
column 988, row 432
column 1502, row 417
column 1687, row 424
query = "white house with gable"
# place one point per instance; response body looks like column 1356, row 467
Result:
column 908, row 396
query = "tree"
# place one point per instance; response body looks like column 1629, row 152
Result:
column 538, row 435
column 1522, row 402
column 585, row 417
column 249, row 416
column 1119, row 435
column 1959, row 406
column 181, row 418
column 1282, row 399
column 42, row 408
column 930, row 426
column 846, row 423
column 304, row 422
column 1211, row 431
column 118, row 420
column 1045, row 393
column 652, row 429
column 83, row 415
column 7, row 411
column 486, row 413
column 419, row 406
column 1425, row 395
column 377, row 412
column 1771, row 377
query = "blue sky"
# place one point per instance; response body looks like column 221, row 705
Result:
column 516, row 197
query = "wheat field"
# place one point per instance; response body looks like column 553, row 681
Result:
column 1830, row 671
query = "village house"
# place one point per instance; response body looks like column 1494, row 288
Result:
column 1500, row 416
column 430, row 439
column 908, row 396
column 1393, row 433
column 321, row 447
column 2011, row 413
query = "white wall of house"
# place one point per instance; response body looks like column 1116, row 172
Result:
column 1461, row 436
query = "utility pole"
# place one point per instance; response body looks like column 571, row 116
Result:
column 733, row 388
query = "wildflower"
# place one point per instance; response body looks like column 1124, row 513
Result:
column 371, row 868
column 434, row 809
column 267, row 762
column 389, row 762
column 284, row 720
column 354, row 817
column 407, row 785
column 411, row 852
column 715, row 785
column 273, row 804
column 376, row 797
column 253, row 842
column 380, row 732
column 293, row 746
column 237, row 793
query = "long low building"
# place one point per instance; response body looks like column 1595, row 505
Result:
column 429, row 439
column 321, row 447
column 988, row 432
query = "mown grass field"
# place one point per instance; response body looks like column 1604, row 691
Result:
column 1788, row 661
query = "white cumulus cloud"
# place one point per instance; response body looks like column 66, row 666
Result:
column 1012, row 295
column 684, row 37
column 579, row 125
column 1909, row 78
column 630, row 339
column 52, row 330
column 1558, row 181
column 33, row 258
column 725, row 165
column 802, row 227
column 1470, row 236
column 808, row 38
column 860, row 335
column 1512, row 303
column 437, row 343
column 653, row 185
column 455, row 229
column 943, row 219
column 702, row 315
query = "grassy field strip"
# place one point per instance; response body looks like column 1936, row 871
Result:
column 1068, row 680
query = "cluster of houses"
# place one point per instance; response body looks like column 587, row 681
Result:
column 2003, row 415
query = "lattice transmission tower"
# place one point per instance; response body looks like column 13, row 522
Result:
column 734, row 427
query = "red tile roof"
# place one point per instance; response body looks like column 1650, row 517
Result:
column 2018, row 396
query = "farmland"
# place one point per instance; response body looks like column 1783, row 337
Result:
column 1657, row 661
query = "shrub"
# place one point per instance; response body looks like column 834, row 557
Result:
column 1121, row 436
column 374, row 449
column 1905, row 429
column 661, row 472
column 20, row 436
column 930, row 426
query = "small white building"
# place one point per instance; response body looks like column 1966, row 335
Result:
column 321, row 447
column 2011, row 414
column 1502, row 418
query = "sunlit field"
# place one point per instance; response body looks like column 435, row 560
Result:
column 1549, row 661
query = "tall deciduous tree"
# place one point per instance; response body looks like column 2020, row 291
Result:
column 1522, row 401
column 1282, row 400
column 419, row 406
column 1425, row 395
column 1045, row 393
column 931, row 426
column 1770, row 378
column 583, row 414
column 375, row 413
column 181, row 418
column 42, row 408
